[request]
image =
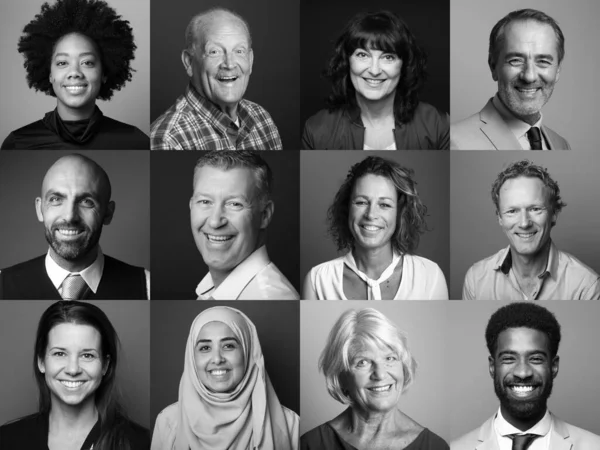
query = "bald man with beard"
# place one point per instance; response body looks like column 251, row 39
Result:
column 74, row 205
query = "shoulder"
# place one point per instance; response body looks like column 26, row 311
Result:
column 327, row 269
column 430, row 114
column 254, row 109
column 20, row 433
column 275, row 285
column 109, row 260
column 581, row 439
column 558, row 142
column 24, row 266
column 15, row 139
column 424, row 265
column 27, row 129
column 138, row 436
column 166, row 423
column 318, row 438
column 133, row 134
column 432, row 441
column 483, row 266
column 323, row 120
column 292, row 420
column 575, row 267
column 170, row 123
column 466, row 442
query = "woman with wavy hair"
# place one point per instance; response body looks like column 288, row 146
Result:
column 75, row 363
column 376, row 73
column 378, row 217
column 77, row 51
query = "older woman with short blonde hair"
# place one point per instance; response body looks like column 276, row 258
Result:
column 367, row 365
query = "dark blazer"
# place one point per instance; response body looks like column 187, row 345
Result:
column 31, row 433
column 343, row 129
column 29, row 281
column 486, row 130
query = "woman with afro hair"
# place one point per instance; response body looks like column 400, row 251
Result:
column 77, row 51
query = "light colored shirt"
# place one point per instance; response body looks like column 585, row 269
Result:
column 543, row 428
column 517, row 126
column 422, row 279
column 565, row 278
column 92, row 274
column 392, row 146
column 255, row 278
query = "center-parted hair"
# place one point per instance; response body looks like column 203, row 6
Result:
column 497, row 34
column 230, row 159
column 111, row 35
column 350, row 333
column 523, row 314
column 112, row 416
column 528, row 169
column 384, row 31
column 411, row 212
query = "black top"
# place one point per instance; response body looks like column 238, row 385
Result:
column 324, row 437
column 31, row 433
column 98, row 132
column 30, row 281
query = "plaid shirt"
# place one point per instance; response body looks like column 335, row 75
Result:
column 194, row 123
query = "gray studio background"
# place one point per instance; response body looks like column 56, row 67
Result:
column 323, row 172
column 18, row 322
column 576, row 394
column 21, row 105
column 475, row 232
column 573, row 109
column 425, row 324
column 126, row 238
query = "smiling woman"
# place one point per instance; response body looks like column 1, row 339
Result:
column 225, row 387
column 75, row 364
column 77, row 51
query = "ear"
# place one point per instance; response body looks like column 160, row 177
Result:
column 491, row 367
column 104, row 78
column 38, row 209
column 106, row 365
column 110, row 211
column 558, row 73
column 267, row 215
column 186, row 59
column 251, row 59
column 554, row 367
column 493, row 70
column 499, row 217
column 51, row 78
column 41, row 365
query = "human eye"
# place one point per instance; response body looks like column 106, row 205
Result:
column 203, row 202
column 392, row 358
column 515, row 62
column 361, row 363
column 389, row 57
column 537, row 209
column 60, row 63
column 88, row 63
column 510, row 212
column 508, row 359
column 54, row 200
column 386, row 205
column 88, row 356
column 203, row 348
column 88, row 203
column 214, row 51
column 235, row 205
column 58, row 353
column 360, row 54
column 230, row 346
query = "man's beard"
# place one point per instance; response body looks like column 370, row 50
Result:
column 75, row 249
column 520, row 408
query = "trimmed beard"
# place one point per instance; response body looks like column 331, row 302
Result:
column 74, row 250
column 523, row 409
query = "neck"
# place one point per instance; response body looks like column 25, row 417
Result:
column 373, row 262
column 371, row 423
column 67, row 113
column 530, row 266
column 523, row 424
column 73, row 417
column 376, row 112
column 75, row 265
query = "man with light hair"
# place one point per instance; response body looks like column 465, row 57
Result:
column 212, row 113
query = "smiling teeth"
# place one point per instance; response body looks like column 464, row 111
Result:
column 72, row 384
column 522, row 389
column 75, row 88
column 68, row 232
column 218, row 372
column 382, row 388
column 525, row 235
column 214, row 238
column 372, row 81
column 370, row 228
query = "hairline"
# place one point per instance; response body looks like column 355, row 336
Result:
column 195, row 28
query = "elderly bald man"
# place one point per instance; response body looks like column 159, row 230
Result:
column 74, row 205
column 212, row 113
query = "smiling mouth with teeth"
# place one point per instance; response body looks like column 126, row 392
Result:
column 72, row 384
column 370, row 227
column 381, row 388
column 218, row 372
column 227, row 79
column 215, row 238
column 522, row 389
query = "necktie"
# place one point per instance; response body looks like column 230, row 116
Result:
column 374, row 290
column 535, row 138
column 522, row 441
column 73, row 287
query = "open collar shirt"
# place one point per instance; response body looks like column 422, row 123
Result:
column 517, row 126
column 195, row 123
column 543, row 429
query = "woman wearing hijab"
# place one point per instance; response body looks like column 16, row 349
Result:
column 226, row 400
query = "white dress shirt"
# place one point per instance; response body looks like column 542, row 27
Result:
column 543, row 428
column 517, row 126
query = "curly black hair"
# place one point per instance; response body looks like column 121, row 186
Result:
column 523, row 314
column 385, row 31
column 94, row 19
column 411, row 212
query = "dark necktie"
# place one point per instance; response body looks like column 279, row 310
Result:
column 522, row 441
column 73, row 287
column 535, row 138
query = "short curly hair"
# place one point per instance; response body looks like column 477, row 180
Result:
column 411, row 212
column 526, row 315
column 526, row 168
column 112, row 36
column 385, row 31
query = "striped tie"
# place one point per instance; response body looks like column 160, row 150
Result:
column 73, row 287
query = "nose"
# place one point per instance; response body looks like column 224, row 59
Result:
column 378, row 372
column 529, row 72
column 370, row 212
column 75, row 71
column 524, row 219
column 217, row 356
column 73, row 366
column 375, row 69
column 227, row 62
column 217, row 217
column 522, row 370
column 70, row 211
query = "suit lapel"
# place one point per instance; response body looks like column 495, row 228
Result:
column 487, row 436
column 495, row 129
column 560, row 438
column 548, row 137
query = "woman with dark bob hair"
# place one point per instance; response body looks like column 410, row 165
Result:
column 77, row 51
column 376, row 72
column 368, row 366
column 378, row 217
column 74, row 363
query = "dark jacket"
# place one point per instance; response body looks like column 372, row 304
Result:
column 343, row 129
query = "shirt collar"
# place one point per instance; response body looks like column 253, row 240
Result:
column 516, row 125
column 504, row 261
column 91, row 274
column 237, row 280
column 542, row 428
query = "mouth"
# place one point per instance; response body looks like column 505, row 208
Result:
column 371, row 228
column 522, row 390
column 527, row 92
column 373, row 82
column 380, row 389
column 219, row 373
column 71, row 384
column 227, row 79
column 218, row 239
column 75, row 88
column 527, row 236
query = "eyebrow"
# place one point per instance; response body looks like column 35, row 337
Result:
column 229, row 197
column 379, row 198
column 83, row 195
column 220, row 340
column 514, row 353
column 83, row 349
column 80, row 55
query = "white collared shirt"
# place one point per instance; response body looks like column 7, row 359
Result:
column 517, row 126
column 255, row 278
column 542, row 428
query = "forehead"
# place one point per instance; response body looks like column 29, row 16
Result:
column 72, row 334
column 530, row 35
column 215, row 331
column 74, row 176
column 375, row 186
column 75, row 44
column 223, row 28
column 522, row 340
column 530, row 188
column 214, row 180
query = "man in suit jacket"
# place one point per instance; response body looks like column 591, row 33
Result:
column 525, row 55
column 523, row 340
column 75, row 204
